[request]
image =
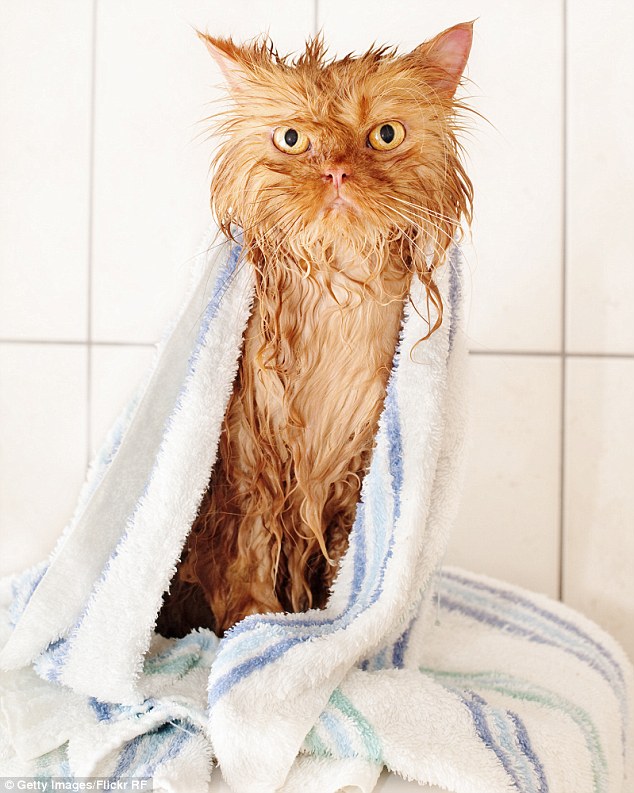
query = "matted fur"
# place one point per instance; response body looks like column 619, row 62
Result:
column 331, row 280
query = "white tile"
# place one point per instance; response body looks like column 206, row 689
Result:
column 515, row 165
column 599, row 494
column 42, row 446
column 287, row 22
column 115, row 373
column 600, row 177
column 155, row 80
column 508, row 525
column 45, row 83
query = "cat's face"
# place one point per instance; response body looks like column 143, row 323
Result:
column 360, row 149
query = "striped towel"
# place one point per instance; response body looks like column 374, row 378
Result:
column 509, row 692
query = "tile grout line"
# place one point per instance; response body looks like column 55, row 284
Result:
column 625, row 356
column 564, row 306
column 85, row 342
column 91, row 192
column 553, row 354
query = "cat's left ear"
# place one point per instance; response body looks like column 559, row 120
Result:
column 229, row 57
column 447, row 54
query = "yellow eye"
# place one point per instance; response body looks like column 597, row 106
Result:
column 290, row 140
column 387, row 136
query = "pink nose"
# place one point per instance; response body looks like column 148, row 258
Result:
column 337, row 176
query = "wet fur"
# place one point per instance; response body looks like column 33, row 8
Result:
column 330, row 288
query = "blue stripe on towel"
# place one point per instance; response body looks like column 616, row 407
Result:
column 379, row 660
column 400, row 646
column 103, row 710
column 393, row 424
column 527, row 748
column 179, row 736
column 127, row 756
column 504, row 729
column 357, row 536
column 50, row 662
column 373, row 543
column 455, row 290
column 335, row 731
column 220, row 288
column 145, row 746
column 477, row 707
column 146, row 752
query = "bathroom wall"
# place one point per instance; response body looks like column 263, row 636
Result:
column 104, row 161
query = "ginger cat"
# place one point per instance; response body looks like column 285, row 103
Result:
column 345, row 178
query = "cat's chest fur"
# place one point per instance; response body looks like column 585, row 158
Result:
column 321, row 378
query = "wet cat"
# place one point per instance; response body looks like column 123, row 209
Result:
column 345, row 178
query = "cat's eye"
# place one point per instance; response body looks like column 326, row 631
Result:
column 290, row 140
column 387, row 136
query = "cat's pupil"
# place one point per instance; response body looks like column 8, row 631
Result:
column 387, row 133
column 291, row 137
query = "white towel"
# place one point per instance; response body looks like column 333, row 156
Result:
column 510, row 692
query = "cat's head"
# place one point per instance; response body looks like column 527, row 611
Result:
column 360, row 151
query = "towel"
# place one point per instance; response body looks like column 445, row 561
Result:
column 439, row 675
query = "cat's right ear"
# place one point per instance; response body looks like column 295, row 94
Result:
column 446, row 56
column 229, row 58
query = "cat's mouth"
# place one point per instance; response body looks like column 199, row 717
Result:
column 340, row 205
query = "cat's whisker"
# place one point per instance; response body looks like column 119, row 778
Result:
column 425, row 221
column 259, row 221
column 425, row 256
column 264, row 200
column 448, row 259
column 420, row 207
column 284, row 228
column 412, row 221
column 404, row 232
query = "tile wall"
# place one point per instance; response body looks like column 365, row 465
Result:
column 103, row 199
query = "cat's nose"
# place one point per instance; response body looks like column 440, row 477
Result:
column 337, row 176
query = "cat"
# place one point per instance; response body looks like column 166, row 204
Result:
column 345, row 178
